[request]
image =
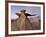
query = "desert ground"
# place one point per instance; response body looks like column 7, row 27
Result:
column 35, row 25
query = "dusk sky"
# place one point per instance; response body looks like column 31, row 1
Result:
column 29, row 9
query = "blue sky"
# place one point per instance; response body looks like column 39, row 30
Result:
column 29, row 9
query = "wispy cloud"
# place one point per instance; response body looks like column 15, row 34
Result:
column 29, row 9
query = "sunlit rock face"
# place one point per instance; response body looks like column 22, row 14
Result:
column 23, row 23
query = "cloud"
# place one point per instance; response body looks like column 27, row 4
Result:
column 14, row 16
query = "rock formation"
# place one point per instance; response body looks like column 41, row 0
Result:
column 23, row 23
